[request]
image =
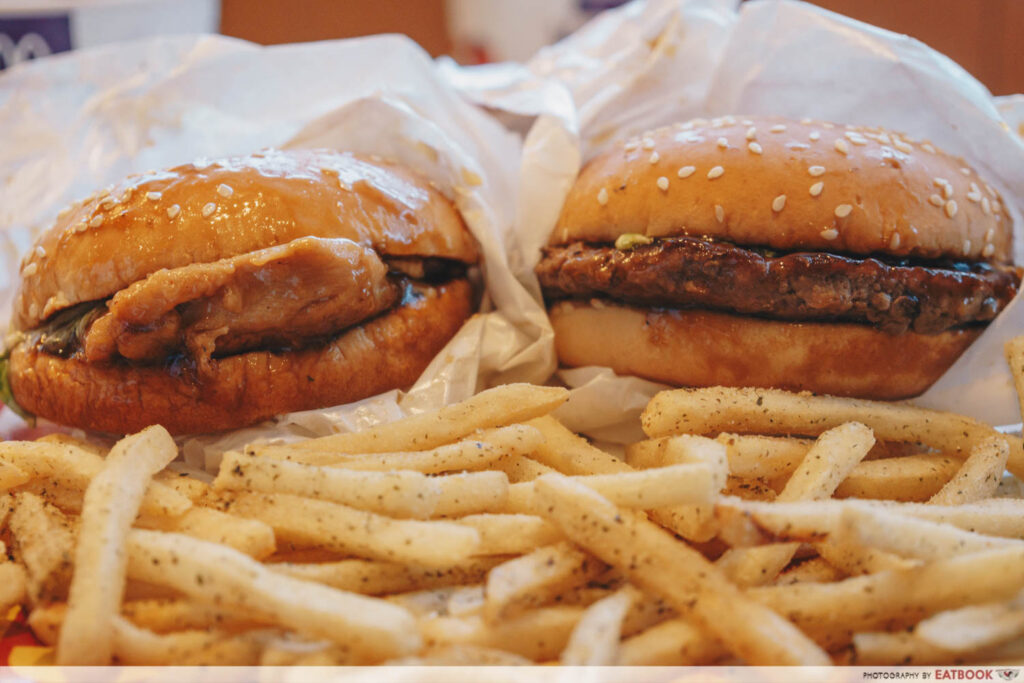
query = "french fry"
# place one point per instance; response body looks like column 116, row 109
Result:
column 676, row 642
column 304, row 522
column 1014, row 352
column 496, row 407
column 72, row 467
column 249, row 536
column 979, row 476
column 904, row 649
column 539, row 635
column 832, row 612
column 535, row 579
column 166, row 616
column 475, row 452
column 655, row 561
column 111, row 503
column 398, row 493
column 914, row 478
column 11, row 476
column 520, row 468
column 371, row 577
column 210, row 572
column 856, row 559
column 514, row 534
column 683, row 450
column 65, row 499
column 775, row 412
column 134, row 646
column 768, row 457
column 463, row 655
column 44, row 542
column 595, row 639
column 977, row 627
column 914, row 538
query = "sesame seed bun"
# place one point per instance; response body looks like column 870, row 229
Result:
column 706, row 348
column 389, row 351
column 202, row 213
column 789, row 185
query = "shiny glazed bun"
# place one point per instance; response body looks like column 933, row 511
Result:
column 752, row 251
column 218, row 294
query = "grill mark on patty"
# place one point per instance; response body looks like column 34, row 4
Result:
column 688, row 272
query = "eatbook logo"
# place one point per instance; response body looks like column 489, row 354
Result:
column 29, row 46
column 1008, row 674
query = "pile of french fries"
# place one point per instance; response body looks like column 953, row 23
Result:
column 752, row 526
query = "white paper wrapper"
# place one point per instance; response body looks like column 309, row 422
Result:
column 78, row 122
column 656, row 63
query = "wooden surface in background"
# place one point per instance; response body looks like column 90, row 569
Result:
column 983, row 36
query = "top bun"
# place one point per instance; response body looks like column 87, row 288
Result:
column 198, row 213
column 789, row 185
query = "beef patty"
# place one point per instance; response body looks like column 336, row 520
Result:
column 687, row 272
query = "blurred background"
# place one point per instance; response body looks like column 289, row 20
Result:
column 982, row 35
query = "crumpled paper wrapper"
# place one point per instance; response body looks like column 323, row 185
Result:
column 78, row 122
column 650, row 64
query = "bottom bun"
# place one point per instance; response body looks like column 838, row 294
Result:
column 387, row 352
column 704, row 348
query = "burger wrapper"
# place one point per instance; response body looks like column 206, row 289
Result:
column 78, row 122
column 650, row 64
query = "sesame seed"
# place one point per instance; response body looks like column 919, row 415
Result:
column 902, row 146
column 967, row 247
column 975, row 188
column 842, row 147
column 96, row 221
column 814, row 136
column 928, row 148
column 965, row 171
column 715, row 172
column 996, row 206
column 173, row 210
column 754, row 147
column 654, row 157
column 990, row 234
column 602, row 196
column 723, row 143
column 751, row 133
column 988, row 250
column 686, row 171
column 778, row 128
column 950, row 208
column 830, row 233
column 935, row 200
column 747, row 122
column 30, row 269
column 40, row 251
column 648, row 143
column 154, row 196
column 779, row 203
column 829, row 125
column 630, row 145
column 208, row 209
column 719, row 213
column 843, row 210
column 816, row 188
column 663, row 183
column 974, row 196
column 894, row 243
column 939, row 182
column 806, row 121
column 856, row 138
column 797, row 145
column 816, row 171
column 225, row 190
column 947, row 191
column 81, row 227
column 883, row 138
column 108, row 203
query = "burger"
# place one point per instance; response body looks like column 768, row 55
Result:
column 766, row 252
column 216, row 295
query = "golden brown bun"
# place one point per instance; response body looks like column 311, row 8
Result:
column 935, row 203
column 387, row 352
column 703, row 348
column 202, row 213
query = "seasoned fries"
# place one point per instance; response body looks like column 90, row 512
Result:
column 753, row 526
